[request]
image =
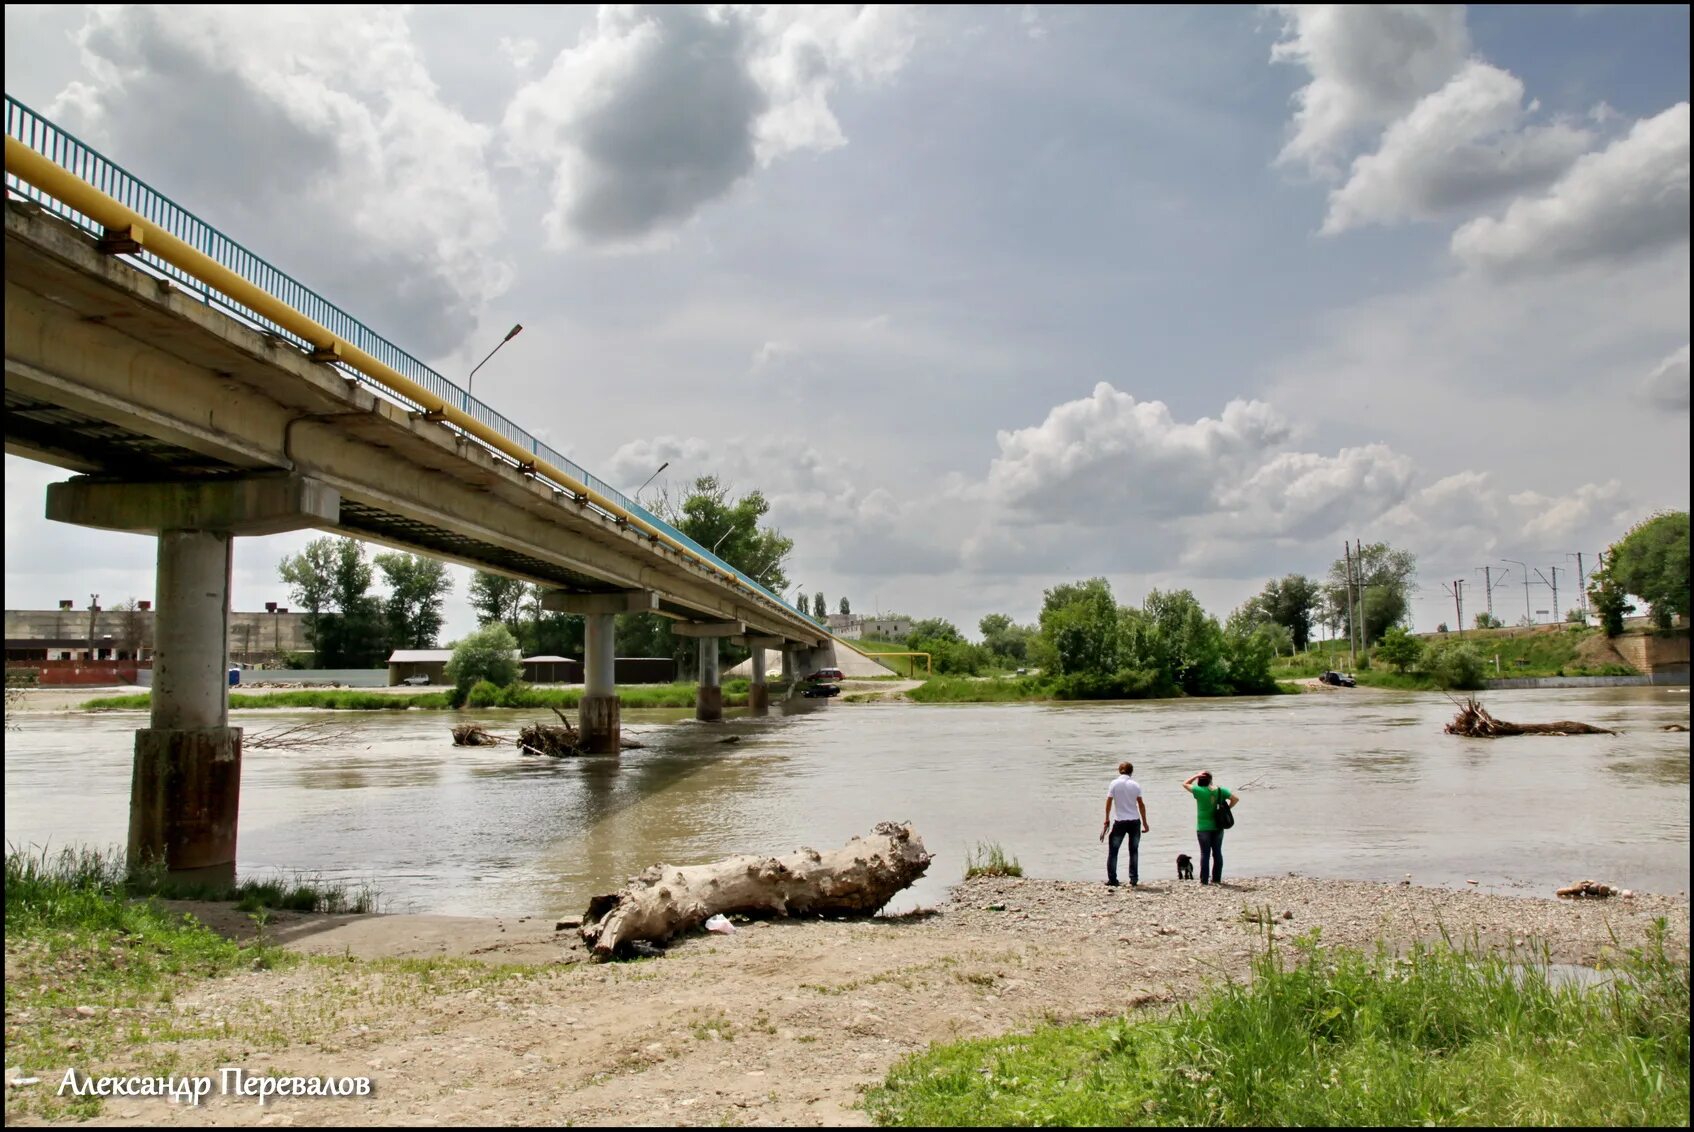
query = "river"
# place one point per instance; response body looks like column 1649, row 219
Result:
column 1357, row 784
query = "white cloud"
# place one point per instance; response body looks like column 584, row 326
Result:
column 1369, row 65
column 1627, row 200
column 658, row 111
column 1304, row 495
column 345, row 125
column 1667, row 386
column 1558, row 519
column 1459, row 147
column 521, row 50
column 1120, row 457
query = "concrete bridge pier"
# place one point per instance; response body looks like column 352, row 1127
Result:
column 758, row 692
column 599, row 716
column 708, row 698
column 185, row 785
column 788, row 666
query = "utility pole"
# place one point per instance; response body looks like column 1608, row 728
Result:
column 1488, row 585
column 1457, row 589
column 1581, row 586
column 1347, row 552
column 93, row 616
column 1554, row 586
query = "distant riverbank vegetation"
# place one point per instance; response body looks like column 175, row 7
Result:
column 1088, row 647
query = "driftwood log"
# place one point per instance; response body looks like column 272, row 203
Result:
column 856, row 879
column 1474, row 721
column 1587, row 888
column 472, row 735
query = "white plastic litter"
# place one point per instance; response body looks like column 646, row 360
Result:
column 720, row 925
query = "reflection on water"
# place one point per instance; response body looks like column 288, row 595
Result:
column 1354, row 785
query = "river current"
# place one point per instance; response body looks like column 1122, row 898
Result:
column 1360, row 785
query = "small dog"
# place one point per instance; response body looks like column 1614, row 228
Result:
column 1184, row 867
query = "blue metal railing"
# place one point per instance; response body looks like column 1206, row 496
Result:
column 67, row 151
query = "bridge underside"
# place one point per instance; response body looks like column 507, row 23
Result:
column 118, row 375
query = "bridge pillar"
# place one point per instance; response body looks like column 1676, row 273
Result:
column 600, row 712
column 185, row 784
column 708, row 699
column 185, row 787
column 788, row 666
column 758, row 692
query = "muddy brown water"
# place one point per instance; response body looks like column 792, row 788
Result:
column 1359, row 785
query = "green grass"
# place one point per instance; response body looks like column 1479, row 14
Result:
column 989, row 860
column 513, row 696
column 1522, row 652
column 1441, row 1036
column 960, row 690
column 76, row 938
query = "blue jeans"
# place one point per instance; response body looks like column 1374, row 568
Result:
column 1120, row 830
column 1211, row 852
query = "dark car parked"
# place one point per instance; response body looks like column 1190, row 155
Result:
column 816, row 691
column 1339, row 679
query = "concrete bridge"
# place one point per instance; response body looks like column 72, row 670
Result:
column 202, row 395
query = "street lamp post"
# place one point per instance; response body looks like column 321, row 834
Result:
column 649, row 479
column 470, row 381
column 1525, row 570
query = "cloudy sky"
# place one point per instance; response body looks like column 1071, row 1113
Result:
column 984, row 299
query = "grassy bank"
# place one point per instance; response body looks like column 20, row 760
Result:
column 81, row 953
column 1015, row 689
column 513, row 696
column 1553, row 650
column 96, row 968
column 1335, row 1037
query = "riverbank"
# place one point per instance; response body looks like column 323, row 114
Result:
column 455, row 1019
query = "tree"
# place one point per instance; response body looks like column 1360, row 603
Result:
column 1400, row 648
column 1292, row 602
column 1383, row 576
column 709, row 516
column 1651, row 562
column 308, row 578
column 1608, row 597
column 331, row 581
column 1457, row 665
column 1005, row 641
column 802, row 602
column 1249, row 647
column 820, row 607
column 489, row 654
column 1488, row 621
column 846, row 610
column 416, row 588
column 496, row 597
column 133, row 628
column 1079, row 629
column 356, row 636
column 1184, row 643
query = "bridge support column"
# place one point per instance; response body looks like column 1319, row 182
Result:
column 758, row 692
column 185, row 785
column 600, row 711
column 788, row 666
column 708, row 700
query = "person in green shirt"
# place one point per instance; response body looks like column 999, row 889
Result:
column 1205, row 825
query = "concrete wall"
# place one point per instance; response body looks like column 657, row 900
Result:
column 1669, row 678
column 252, row 636
column 1651, row 653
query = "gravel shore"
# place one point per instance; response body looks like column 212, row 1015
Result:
column 781, row 1022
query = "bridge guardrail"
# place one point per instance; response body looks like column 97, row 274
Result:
column 83, row 162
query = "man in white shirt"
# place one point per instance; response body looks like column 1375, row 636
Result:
column 1126, row 817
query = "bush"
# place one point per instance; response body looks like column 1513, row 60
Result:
column 1124, row 684
column 1400, row 649
column 516, row 694
column 482, row 694
column 1457, row 666
column 488, row 654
